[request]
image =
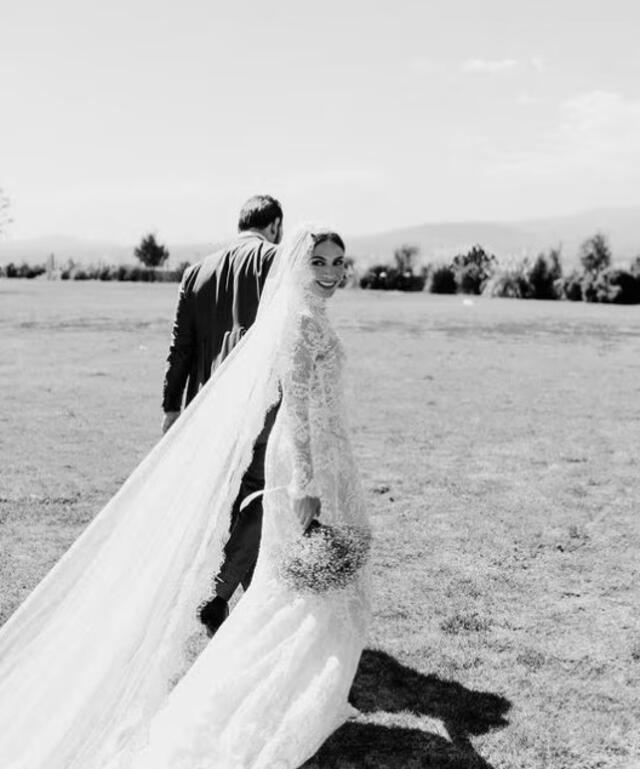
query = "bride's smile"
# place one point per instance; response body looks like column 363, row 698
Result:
column 327, row 267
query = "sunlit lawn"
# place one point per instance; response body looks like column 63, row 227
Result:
column 499, row 442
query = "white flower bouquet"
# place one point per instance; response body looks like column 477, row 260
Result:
column 325, row 558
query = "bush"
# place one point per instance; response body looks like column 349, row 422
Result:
column 408, row 281
column 90, row 272
column 36, row 271
column 401, row 277
column 473, row 270
column 23, row 270
column 510, row 283
column 148, row 276
column 376, row 277
column 570, row 287
column 442, row 280
column 543, row 274
column 106, row 273
column 386, row 278
column 589, row 284
column 135, row 274
column 614, row 286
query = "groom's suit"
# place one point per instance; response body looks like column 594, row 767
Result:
column 218, row 302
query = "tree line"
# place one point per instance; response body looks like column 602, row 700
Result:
column 151, row 255
column 477, row 271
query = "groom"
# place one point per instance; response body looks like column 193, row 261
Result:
column 218, row 302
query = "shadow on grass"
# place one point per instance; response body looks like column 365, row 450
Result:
column 384, row 685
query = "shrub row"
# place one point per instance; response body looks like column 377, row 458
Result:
column 596, row 281
column 23, row 270
column 537, row 279
column 106, row 273
column 611, row 285
column 467, row 273
column 385, row 278
column 125, row 272
column 479, row 272
column 401, row 277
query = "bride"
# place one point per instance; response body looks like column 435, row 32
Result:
column 94, row 666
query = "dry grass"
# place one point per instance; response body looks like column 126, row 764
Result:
column 500, row 448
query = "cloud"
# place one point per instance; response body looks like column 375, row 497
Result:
column 538, row 63
column 594, row 131
column 492, row 66
column 602, row 122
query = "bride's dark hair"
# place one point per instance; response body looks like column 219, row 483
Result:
column 322, row 236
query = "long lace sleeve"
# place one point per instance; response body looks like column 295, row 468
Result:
column 296, row 397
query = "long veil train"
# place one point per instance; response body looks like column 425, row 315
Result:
column 89, row 657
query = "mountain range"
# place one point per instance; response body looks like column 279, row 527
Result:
column 439, row 242
column 436, row 241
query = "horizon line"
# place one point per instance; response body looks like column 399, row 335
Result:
column 6, row 237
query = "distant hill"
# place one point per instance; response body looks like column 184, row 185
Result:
column 436, row 241
column 441, row 241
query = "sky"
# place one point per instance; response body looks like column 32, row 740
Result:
column 131, row 116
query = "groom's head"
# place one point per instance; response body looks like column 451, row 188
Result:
column 262, row 214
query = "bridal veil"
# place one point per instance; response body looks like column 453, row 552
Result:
column 92, row 653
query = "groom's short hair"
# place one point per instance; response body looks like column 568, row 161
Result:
column 259, row 212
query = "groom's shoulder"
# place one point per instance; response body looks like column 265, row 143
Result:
column 252, row 247
column 243, row 253
column 206, row 268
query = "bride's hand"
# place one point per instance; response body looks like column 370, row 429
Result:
column 306, row 509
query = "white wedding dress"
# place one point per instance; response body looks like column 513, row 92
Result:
column 88, row 664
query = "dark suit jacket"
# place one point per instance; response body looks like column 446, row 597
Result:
column 218, row 302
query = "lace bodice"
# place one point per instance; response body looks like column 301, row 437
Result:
column 311, row 396
column 315, row 421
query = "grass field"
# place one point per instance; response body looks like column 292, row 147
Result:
column 500, row 448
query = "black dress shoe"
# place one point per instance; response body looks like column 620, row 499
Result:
column 213, row 613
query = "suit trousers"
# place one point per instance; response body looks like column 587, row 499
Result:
column 241, row 550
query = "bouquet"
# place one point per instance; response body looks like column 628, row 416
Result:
column 325, row 558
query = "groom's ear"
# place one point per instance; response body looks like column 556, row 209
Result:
column 275, row 231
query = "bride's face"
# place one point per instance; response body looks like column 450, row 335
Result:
column 327, row 268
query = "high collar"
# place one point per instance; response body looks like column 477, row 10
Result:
column 315, row 302
column 251, row 234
